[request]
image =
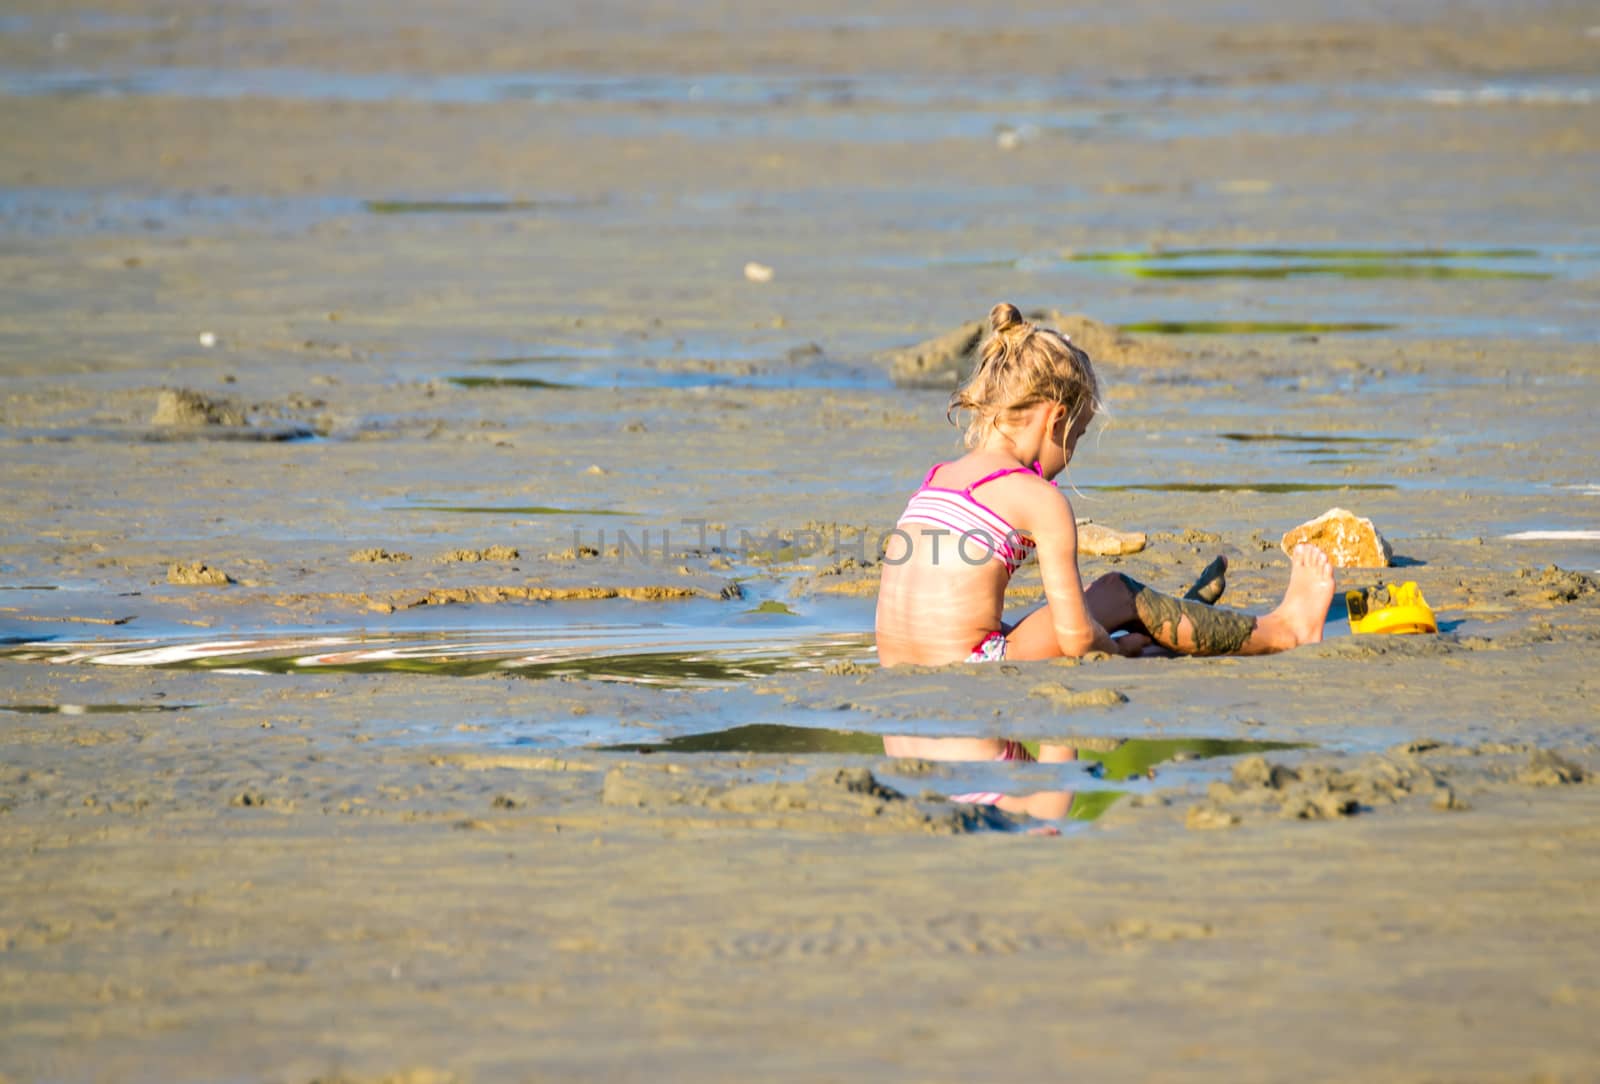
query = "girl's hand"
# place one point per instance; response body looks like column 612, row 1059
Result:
column 1132, row 645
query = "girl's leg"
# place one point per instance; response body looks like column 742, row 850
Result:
column 1193, row 628
column 1110, row 602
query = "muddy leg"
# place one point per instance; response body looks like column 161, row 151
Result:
column 1187, row 626
column 1193, row 628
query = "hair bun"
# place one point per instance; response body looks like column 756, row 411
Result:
column 1005, row 316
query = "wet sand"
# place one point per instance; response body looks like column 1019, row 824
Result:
column 472, row 293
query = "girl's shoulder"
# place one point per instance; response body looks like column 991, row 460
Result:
column 1026, row 500
column 978, row 469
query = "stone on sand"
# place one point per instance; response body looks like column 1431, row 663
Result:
column 471, row 556
column 378, row 556
column 1062, row 697
column 1549, row 769
column 1098, row 540
column 1204, row 818
column 1349, row 540
column 196, row 574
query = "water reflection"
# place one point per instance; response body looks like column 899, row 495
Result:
column 664, row 655
column 92, row 709
column 990, row 778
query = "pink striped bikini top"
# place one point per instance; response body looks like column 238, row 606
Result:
column 972, row 523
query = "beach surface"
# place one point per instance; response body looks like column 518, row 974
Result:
column 445, row 457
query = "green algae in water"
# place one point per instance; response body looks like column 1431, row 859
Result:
column 1135, row 757
column 1337, row 270
column 1130, row 759
column 1346, row 263
column 1242, row 487
column 1309, row 438
column 1254, row 327
column 449, row 206
column 651, row 655
column 668, row 668
column 772, row 606
column 1347, row 254
column 505, row 382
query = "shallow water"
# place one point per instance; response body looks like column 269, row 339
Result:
column 761, row 89
column 93, row 709
column 663, row 655
column 1055, row 780
column 1051, row 781
column 1239, row 487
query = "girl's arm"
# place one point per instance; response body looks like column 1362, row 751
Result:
column 1051, row 523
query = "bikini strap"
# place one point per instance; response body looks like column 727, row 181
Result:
column 928, row 478
column 1036, row 469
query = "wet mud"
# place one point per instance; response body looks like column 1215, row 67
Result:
column 437, row 578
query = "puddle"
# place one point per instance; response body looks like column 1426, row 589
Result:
column 1532, row 264
column 1241, row 487
column 745, row 91
column 1008, row 772
column 50, row 211
column 739, row 92
column 1110, row 759
column 507, row 510
column 449, row 207
column 1513, row 94
column 1554, row 536
column 1253, row 327
column 1322, row 448
column 1306, row 292
column 93, row 709
column 773, row 606
column 1348, row 254
column 799, row 367
column 1309, row 438
column 219, row 434
column 505, row 382
column 641, row 655
column 1336, row 270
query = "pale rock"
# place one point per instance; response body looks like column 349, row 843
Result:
column 1349, row 540
column 1098, row 540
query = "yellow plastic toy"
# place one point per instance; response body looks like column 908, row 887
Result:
column 1397, row 609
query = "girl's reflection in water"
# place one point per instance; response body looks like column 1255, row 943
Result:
column 1047, row 805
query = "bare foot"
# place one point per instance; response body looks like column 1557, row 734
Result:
column 1305, row 603
column 1209, row 585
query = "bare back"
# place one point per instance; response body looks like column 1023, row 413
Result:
column 945, row 572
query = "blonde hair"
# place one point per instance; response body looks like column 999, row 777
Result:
column 1020, row 366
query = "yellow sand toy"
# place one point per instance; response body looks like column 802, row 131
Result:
column 1397, row 609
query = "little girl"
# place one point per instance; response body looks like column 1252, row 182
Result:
column 963, row 534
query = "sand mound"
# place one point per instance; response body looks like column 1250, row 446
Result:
column 182, row 407
column 942, row 362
